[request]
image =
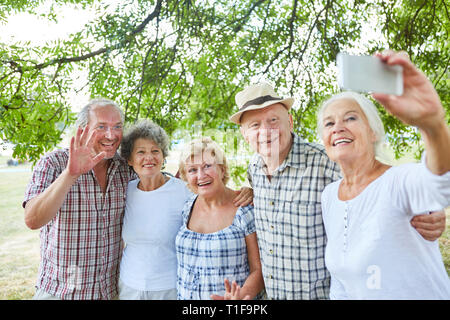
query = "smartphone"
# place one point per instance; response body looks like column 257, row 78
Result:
column 368, row 74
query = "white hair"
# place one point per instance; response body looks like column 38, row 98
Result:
column 369, row 110
column 83, row 115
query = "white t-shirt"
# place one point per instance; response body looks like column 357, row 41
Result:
column 372, row 250
column 151, row 223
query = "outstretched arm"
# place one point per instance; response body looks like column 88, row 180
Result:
column 419, row 106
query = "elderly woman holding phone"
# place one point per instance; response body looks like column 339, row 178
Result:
column 372, row 251
column 217, row 250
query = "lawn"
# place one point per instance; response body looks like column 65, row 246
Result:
column 19, row 246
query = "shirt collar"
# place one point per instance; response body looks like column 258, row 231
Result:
column 294, row 158
column 117, row 161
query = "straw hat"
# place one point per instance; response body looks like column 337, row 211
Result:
column 258, row 96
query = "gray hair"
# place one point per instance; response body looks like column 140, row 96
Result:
column 369, row 110
column 144, row 129
column 83, row 115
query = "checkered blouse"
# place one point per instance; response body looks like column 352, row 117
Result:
column 206, row 259
column 288, row 219
column 81, row 246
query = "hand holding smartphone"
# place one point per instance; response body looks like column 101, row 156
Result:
column 368, row 74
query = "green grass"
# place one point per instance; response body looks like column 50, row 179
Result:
column 19, row 246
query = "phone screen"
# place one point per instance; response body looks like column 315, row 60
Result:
column 368, row 74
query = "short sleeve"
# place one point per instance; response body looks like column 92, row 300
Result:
column 246, row 219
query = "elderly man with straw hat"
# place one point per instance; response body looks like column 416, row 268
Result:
column 288, row 175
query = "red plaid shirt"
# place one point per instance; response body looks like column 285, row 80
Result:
column 81, row 247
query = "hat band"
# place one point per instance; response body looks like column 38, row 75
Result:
column 259, row 100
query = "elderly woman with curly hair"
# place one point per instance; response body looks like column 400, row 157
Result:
column 152, row 217
column 154, row 203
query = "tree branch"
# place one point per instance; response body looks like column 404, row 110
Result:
column 100, row 51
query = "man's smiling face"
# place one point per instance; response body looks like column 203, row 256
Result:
column 107, row 122
column 268, row 130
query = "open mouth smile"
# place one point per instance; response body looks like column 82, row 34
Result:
column 204, row 184
column 342, row 141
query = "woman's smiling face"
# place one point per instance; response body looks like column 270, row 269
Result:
column 204, row 175
column 146, row 158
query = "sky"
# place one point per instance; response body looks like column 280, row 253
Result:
column 27, row 27
column 38, row 30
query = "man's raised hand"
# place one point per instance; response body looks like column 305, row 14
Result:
column 82, row 156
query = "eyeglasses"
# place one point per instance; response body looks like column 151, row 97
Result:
column 104, row 128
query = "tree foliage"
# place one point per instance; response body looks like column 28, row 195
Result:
column 181, row 62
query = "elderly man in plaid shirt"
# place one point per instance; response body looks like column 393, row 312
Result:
column 288, row 175
column 77, row 198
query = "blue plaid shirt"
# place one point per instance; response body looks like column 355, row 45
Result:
column 206, row 259
column 288, row 218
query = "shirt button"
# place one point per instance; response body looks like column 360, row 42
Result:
column 271, row 251
column 271, row 203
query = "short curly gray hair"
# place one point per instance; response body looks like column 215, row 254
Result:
column 144, row 129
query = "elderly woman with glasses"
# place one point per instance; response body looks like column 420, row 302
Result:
column 372, row 250
column 217, row 250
